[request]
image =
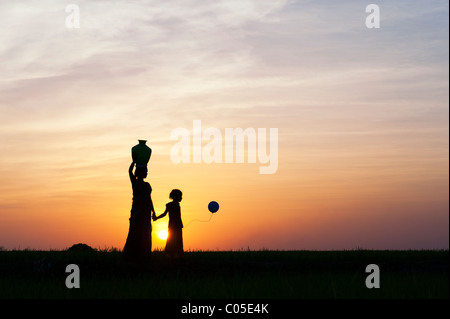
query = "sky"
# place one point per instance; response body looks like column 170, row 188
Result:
column 362, row 116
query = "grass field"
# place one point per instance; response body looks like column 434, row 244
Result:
column 228, row 274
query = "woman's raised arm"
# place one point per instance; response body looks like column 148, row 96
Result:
column 130, row 172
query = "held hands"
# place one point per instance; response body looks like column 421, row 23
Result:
column 154, row 217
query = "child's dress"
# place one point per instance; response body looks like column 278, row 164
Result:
column 174, row 243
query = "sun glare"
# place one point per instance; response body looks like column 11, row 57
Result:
column 163, row 234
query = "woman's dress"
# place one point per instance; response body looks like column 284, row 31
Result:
column 138, row 245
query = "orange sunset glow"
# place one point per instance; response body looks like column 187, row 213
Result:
column 362, row 117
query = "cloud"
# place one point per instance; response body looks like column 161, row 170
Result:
column 187, row 60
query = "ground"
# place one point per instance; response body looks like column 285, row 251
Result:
column 227, row 275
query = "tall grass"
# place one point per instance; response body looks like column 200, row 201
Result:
column 226, row 274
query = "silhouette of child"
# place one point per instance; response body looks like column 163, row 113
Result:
column 174, row 243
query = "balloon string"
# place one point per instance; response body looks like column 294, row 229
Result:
column 197, row 220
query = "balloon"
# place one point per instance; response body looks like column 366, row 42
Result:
column 213, row 207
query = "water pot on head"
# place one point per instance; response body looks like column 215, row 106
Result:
column 141, row 153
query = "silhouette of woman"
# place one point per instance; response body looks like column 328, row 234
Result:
column 174, row 243
column 138, row 246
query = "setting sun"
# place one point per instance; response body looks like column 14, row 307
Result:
column 163, row 234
